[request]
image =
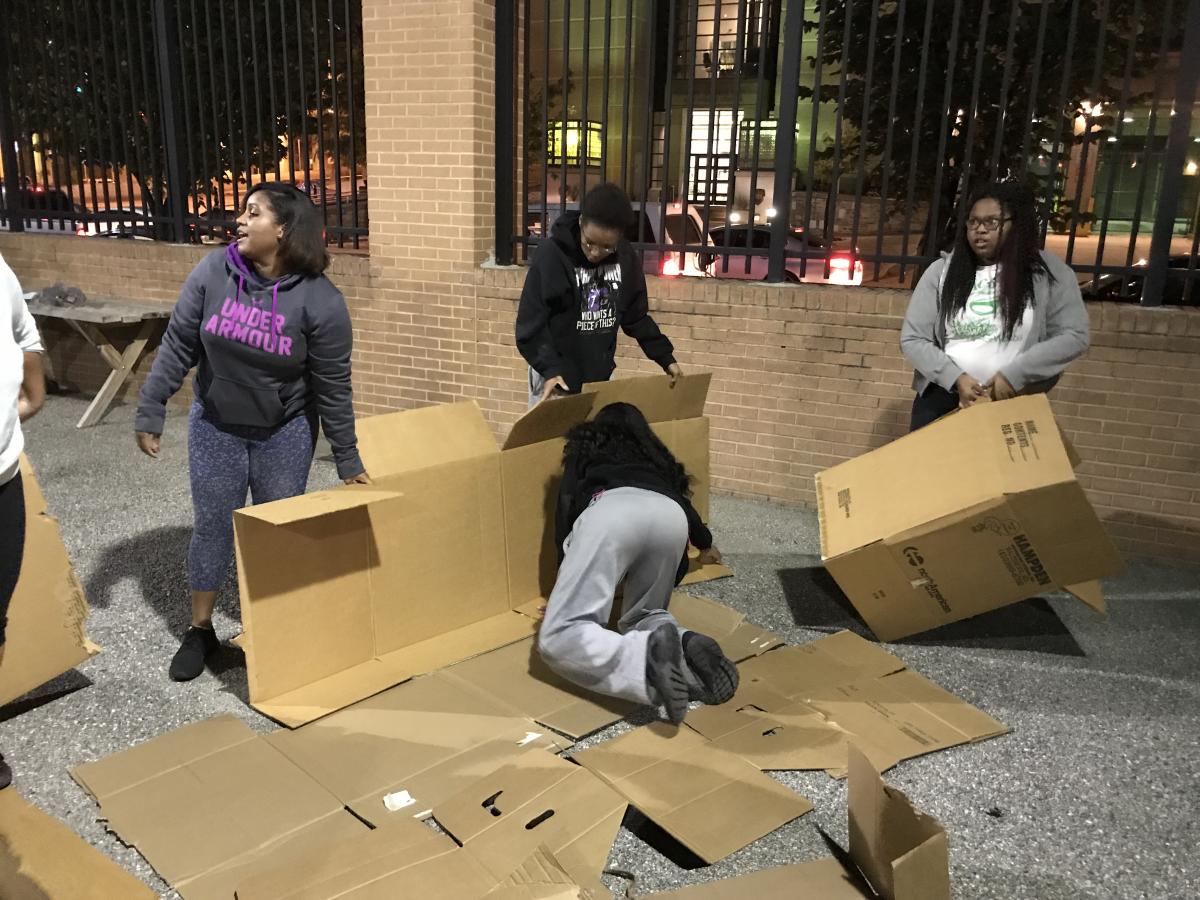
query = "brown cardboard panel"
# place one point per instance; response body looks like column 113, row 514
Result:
column 440, row 561
column 840, row 658
column 739, row 639
column 42, row 859
column 540, row 877
column 655, row 396
column 531, row 476
column 47, row 611
column 538, row 799
column 306, row 598
column 710, row 800
column 414, row 439
column 903, row 852
column 698, row 574
column 821, row 879
column 243, row 798
column 518, row 680
column 549, row 420
column 687, row 439
column 317, row 504
column 1069, row 540
column 430, row 737
column 1089, row 592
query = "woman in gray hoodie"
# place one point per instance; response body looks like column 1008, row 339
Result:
column 269, row 337
column 995, row 318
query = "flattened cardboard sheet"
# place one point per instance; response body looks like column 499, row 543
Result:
column 244, row 798
column 47, row 611
column 711, row 801
column 42, row 859
column 539, row 799
column 399, row 753
column 738, row 638
column 839, row 658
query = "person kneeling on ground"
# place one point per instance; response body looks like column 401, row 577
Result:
column 995, row 319
column 624, row 514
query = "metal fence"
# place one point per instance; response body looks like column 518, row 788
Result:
column 839, row 140
column 152, row 118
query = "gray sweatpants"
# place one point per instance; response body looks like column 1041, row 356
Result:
column 626, row 533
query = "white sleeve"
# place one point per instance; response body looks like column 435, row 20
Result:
column 25, row 332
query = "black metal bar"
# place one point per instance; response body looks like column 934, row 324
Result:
column 785, row 148
column 759, row 112
column 229, row 109
column 205, row 141
column 304, row 104
column 287, row 98
column 337, row 125
column 626, row 142
column 168, row 76
column 1178, row 140
column 1060, row 112
column 566, row 94
column 868, row 83
column 835, row 180
column 505, row 137
column 354, row 39
column 605, row 99
column 648, row 133
column 931, row 246
column 320, row 94
column 886, row 167
column 261, row 142
column 812, row 138
column 1151, row 128
column 242, row 100
column 272, row 118
column 152, row 129
column 691, row 41
column 968, row 163
column 1082, row 178
column 1189, row 277
column 98, row 126
column 8, row 139
column 190, row 185
column 1014, row 12
column 665, row 192
column 739, row 48
column 713, row 75
column 522, row 230
column 1126, row 83
column 585, row 118
column 1034, row 83
column 544, row 139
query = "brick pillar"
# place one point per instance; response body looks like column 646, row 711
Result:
column 429, row 112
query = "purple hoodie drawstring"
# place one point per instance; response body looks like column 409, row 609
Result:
column 274, row 304
column 241, row 283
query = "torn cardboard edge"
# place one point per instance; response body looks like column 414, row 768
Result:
column 896, row 852
column 913, row 551
column 41, row 857
column 48, row 610
column 376, row 573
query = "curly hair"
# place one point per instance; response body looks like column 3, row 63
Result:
column 1019, row 258
column 619, row 434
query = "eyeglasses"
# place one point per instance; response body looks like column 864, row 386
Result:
column 597, row 248
column 990, row 224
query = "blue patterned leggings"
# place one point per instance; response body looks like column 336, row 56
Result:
column 226, row 460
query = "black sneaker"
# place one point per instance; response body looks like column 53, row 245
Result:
column 5, row 773
column 197, row 646
column 714, row 669
column 665, row 672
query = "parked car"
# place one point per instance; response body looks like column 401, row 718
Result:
column 1108, row 287
column 653, row 223
column 43, row 210
column 844, row 265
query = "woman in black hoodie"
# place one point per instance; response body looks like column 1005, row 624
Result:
column 624, row 515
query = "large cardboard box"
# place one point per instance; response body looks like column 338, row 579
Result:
column 349, row 591
column 45, row 635
column 976, row 511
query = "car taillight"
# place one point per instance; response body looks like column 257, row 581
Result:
column 81, row 231
column 840, row 262
column 670, row 267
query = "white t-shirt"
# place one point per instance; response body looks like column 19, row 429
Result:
column 974, row 337
column 18, row 336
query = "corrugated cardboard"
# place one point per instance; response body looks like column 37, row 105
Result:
column 245, row 802
column 46, row 614
column 538, row 799
column 800, row 707
column 976, row 511
column 417, row 744
column 347, row 592
column 42, row 859
column 738, row 638
column 711, row 801
column 901, row 852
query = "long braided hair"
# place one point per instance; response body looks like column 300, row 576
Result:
column 1019, row 259
column 618, row 434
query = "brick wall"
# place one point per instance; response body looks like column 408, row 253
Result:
column 804, row 377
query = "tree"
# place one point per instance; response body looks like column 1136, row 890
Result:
column 250, row 80
column 987, row 139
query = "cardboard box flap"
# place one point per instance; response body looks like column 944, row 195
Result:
column 551, row 419
column 540, row 877
column 903, row 852
column 417, row 438
column 711, row 801
column 316, row 504
column 842, row 657
column 1089, row 592
column 738, row 638
column 42, row 858
column 47, row 611
column 538, row 799
column 655, row 396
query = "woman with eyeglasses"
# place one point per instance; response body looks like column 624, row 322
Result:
column 995, row 318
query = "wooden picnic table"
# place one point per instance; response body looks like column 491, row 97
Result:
column 94, row 320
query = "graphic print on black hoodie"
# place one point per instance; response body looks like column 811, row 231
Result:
column 570, row 309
